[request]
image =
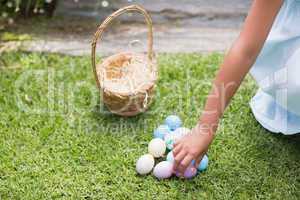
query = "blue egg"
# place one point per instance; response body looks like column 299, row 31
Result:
column 161, row 131
column 193, row 162
column 170, row 157
column 173, row 122
column 203, row 164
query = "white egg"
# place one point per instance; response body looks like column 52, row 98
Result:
column 145, row 164
column 157, row 147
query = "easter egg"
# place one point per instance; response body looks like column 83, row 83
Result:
column 157, row 147
column 163, row 170
column 170, row 157
column 161, row 131
column 189, row 173
column 193, row 162
column 145, row 164
column 174, row 136
column 170, row 140
column 182, row 131
column 203, row 164
column 173, row 122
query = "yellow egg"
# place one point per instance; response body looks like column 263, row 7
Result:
column 157, row 147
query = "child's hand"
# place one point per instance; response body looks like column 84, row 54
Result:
column 191, row 147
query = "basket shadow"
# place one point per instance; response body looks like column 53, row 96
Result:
column 112, row 123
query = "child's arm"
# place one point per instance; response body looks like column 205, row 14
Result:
column 236, row 65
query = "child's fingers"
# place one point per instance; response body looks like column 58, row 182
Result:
column 178, row 158
column 185, row 163
column 175, row 144
column 176, row 149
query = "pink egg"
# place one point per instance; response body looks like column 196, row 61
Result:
column 163, row 170
column 189, row 173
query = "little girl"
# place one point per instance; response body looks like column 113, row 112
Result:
column 269, row 45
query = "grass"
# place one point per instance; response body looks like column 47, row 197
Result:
column 58, row 142
column 8, row 36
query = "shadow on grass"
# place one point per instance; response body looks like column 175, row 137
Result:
column 113, row 124
column 293, row 141
column 281, row 153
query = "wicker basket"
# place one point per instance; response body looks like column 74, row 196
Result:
column 126, row 80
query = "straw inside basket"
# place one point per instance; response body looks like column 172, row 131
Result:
column 130, row 75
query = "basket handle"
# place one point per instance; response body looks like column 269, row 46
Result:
column 109, row 19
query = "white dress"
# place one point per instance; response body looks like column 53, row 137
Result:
column 276, row 106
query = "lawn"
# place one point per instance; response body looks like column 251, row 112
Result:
column 58, row 142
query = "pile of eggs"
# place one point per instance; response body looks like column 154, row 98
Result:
column 164, row 138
